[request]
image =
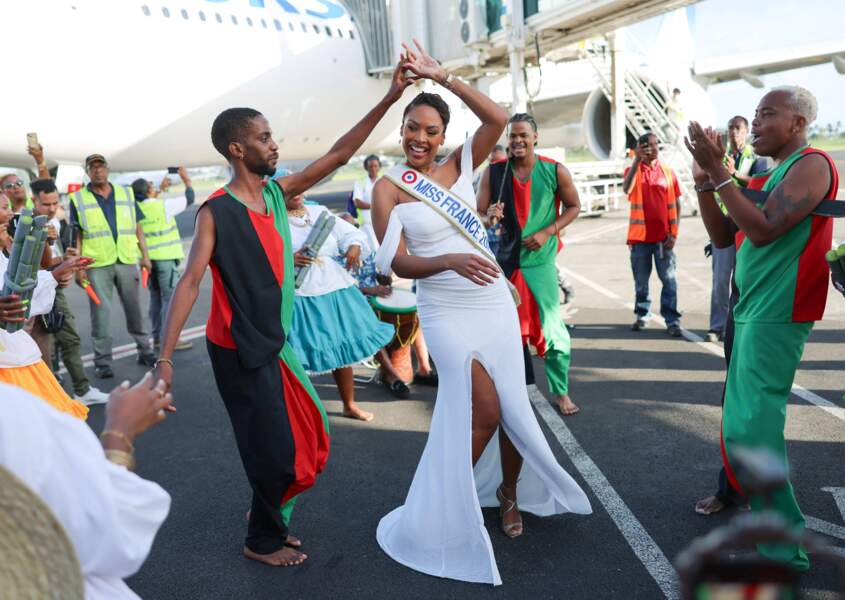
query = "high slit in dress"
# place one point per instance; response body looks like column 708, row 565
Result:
column 439, row 530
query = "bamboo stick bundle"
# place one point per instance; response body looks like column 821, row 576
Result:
column 24, row 261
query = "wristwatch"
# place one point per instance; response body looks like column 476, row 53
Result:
column 707, row 186
column 447, row 83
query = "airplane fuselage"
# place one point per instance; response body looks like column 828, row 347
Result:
column 141, row 81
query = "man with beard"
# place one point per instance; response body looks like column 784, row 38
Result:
column 242, row 233
column 526, row 193
column 781, row 275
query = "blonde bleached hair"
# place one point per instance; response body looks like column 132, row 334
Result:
column 801, row 100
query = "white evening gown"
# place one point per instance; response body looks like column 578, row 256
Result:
column 440, row 529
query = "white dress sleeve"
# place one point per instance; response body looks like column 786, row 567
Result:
column 44, row 293
column 110, row 514
column 466, row 160
column 347, row 235
column 390, row 244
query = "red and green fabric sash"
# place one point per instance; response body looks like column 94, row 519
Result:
column 785, row 281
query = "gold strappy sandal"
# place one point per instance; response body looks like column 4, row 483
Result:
column 507, row 505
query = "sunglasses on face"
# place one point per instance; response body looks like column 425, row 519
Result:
column 14, row 184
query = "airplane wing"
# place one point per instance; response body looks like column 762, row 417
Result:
column 749, row 67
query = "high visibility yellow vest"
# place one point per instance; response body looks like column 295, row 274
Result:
column 162, row 235
column 97, row 240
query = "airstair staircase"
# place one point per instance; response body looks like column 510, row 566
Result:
column 645, row 111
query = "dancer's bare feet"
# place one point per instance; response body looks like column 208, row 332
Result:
column 292, row 541
column 567, row 406
column 285, row 557
column 351, row 411
column 709, row 505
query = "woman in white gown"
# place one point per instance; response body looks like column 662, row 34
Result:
column 470, row 323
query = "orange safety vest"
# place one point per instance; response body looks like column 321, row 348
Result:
column 636, row 224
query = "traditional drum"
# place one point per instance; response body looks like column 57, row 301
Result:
column 400, row 310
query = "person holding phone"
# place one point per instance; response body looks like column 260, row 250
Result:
column 164, row 244
column 654, row 193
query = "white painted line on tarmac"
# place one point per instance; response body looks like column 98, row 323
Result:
column 127, row 350
column 820, row 526
column 577, row 239
column 694, row 280
column 643, row 545
column 802, row 392
column 601, row 290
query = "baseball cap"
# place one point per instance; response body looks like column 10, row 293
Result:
column 94, row 158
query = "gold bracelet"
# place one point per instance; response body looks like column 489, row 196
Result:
column 163, row 360
column 121, row 459
column 120, row 436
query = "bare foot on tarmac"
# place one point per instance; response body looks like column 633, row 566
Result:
column 709, row 505
column 567, row 406
column 353, row 412
column 292, row 541
column 286, row 557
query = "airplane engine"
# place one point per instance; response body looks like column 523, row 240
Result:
column 595, row 119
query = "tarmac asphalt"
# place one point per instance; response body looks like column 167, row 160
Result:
column 644, row 447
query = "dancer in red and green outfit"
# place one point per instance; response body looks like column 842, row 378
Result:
column 781, row 275
column 242, row 232
column 526, row 193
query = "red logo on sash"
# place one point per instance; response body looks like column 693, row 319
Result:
column 409, row 177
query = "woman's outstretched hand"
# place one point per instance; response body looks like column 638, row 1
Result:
column 133, row 410
column 422, row 64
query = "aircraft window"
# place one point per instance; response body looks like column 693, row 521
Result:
column 340, row 33
column 218, row 17
column 249, row 21
column 165, row 11
column 277, row 24
column 146, row 10
column 234, row 20
column 351, row 34
column 316, row 29
column 290, row 25
column 202, row 16
column 264, row 23
column 328, row 31
column 184, row 13
column 304, row 28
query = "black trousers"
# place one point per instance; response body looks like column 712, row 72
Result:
column 529, row 366
column 254, row 399
column 727, row 493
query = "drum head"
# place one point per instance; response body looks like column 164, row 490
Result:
column 400, row 302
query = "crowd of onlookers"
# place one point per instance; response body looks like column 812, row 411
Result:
column 142, row 227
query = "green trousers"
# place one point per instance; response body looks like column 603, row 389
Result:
column 543, row 284
column 763, row 362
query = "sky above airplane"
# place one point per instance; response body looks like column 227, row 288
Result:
column 722, row 27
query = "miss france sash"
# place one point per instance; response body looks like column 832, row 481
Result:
column 451, row 207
